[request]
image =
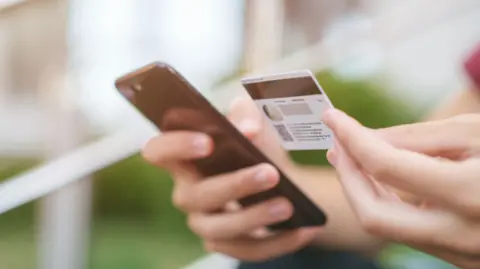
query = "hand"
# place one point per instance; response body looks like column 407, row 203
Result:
column 230, row 231
column 447, row 223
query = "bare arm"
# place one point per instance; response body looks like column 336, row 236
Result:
column 460, row 103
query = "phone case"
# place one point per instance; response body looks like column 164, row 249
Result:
column 162, row 95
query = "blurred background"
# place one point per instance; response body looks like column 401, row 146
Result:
column 76, row 194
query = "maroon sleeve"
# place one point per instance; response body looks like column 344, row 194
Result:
column 472, row 66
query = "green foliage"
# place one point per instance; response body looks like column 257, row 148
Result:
column 365, row 101
column 23, row 215
column 119, row 244
column 133, row 190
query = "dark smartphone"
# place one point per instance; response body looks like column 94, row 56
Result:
column 163, row 96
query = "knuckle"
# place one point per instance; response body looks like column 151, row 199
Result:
column 210, row 246
column 469, row 204
column 379, row 169
column 238, row 180
column 343, row 136
column 370, row 222
column 470, row 248
column 192, row 224
column 464, row 246
column 227, row 186
column 197, row 227
column 180, row 198
column 205, row 230
column 255, row 256
column 148, row 151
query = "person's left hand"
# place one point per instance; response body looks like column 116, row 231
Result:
column 447, row 222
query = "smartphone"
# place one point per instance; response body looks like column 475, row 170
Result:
column 171, row 103
column 293, row 104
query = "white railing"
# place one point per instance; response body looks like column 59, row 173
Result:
column 4, row 4
column 88, row 159
column 75, row 165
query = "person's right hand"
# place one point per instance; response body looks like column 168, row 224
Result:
column 230, row 231
column 437, row 161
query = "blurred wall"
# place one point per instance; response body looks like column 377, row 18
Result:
column 202, row 39
column 32, row 53
column 33, row 39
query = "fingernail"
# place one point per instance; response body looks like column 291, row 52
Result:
column 262, row 177
column 332, row 156
column 331, row 116
column 248, row 126
column 328, row 115
column 201, row 144
column 235, row 102
column 309, row 233
column 280, row 211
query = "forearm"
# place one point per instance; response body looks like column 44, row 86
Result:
column 464, row 102
column 468, row 100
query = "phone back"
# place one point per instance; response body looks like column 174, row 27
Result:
column 171, row 103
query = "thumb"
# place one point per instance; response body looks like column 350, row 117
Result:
column 245, row 115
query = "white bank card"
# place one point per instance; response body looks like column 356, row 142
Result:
column 293, row 103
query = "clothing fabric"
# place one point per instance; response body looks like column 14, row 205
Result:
column 314, row 258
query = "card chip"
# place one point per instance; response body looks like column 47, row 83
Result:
column 284, row 134
column 296, row 109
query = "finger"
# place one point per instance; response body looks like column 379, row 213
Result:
column 177, row 146
column 215, row 192
column 405, row 170
column 245, row 116
column 183, row 173
column 390, row 219
column 226, row 226
column 452, row 137
column 257, row 233
column 249, row 249
column 261, row 233
column 233, row 206
column 381, row 190
column 378, row 189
